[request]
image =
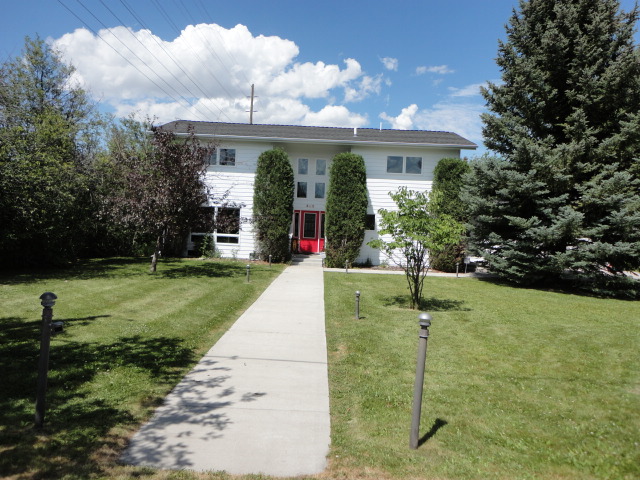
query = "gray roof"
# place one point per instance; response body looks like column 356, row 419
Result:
column 297, row 133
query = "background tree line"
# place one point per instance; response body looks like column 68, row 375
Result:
column 78, row 183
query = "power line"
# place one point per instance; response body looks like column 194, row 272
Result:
column 161, row 63
column 203, row 116
column 210, row 46
column 204, row 63
column 115, row 50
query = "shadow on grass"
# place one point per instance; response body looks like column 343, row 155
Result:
column 427, row 304
column 596, row 287
column 125, row 267
column 437, row 425
column 76, row 424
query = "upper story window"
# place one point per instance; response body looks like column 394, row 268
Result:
column 320, row 190
column 413, row 165
column 394, row 164
column 321, row 166
column 213, row 158
column 410, row 165
column 223, row 156
column 227, row 156
column 303, row 166
column 302, row 190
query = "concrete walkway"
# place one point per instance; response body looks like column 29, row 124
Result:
column 258, row 401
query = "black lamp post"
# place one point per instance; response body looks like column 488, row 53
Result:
column 425, row 323
column 48, row 300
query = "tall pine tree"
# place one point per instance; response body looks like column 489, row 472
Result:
column 564, row 196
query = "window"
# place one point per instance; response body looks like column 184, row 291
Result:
column 414, row 165
column 319, row 190
column 303, row 166
column 410, row 165
column 394, row 164
column 370, row 222
column 296, row 224
column 321, row 167
column 204, row 222
column 302, row 190
column 228, row 225
column 212, row 159
column 227, row 156
column 309, row 225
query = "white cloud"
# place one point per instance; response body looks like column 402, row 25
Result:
column 460, row 118
column 390, row 63
column 206, row 74
column 405, row 120
column 366, row 87
column 468, row 91
column 313, row 80
column 438, row 69
column 334, row 116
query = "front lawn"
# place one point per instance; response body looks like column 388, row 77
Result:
column 520, row 384
column 129, row 337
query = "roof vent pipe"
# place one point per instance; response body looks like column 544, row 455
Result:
column 355, row 131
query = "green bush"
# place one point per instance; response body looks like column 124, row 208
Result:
column 273, row 205
column 346, row 209
column 448, row 180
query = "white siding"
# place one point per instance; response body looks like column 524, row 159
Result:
column 238, row 182
column 380, row 184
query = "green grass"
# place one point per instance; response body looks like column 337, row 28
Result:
column 520, row 384
column 129, row 337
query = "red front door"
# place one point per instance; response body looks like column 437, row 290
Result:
column 308, row 231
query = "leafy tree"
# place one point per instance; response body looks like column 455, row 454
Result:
column 416, row 233
column 448, row 181
column 273, row 205
column 346, row 209
column 49, row 135
column 564, row 196
column 157, row 184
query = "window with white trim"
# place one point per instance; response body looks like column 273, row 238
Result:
column 303, row 166
column 227, row 156
column 408, row 165
column 227, row 225
column 222, row 156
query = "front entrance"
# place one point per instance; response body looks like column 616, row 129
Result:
column 308, row 231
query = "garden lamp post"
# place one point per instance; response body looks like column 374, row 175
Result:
column 48, row 300
column 425, row 323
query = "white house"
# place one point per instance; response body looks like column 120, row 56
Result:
column 393, row 158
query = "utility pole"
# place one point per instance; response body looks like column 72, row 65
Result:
column 251, row 108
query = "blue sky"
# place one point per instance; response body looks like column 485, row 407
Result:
column 406, row 64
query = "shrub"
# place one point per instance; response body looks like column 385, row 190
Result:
column 273, row 205
column 448, row 180
column 346, row 209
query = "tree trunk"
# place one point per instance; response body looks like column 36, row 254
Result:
column 156, row 254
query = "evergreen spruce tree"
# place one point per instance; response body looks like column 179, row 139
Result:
column 346, row 209
column 563, row 196
column 273, row 205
